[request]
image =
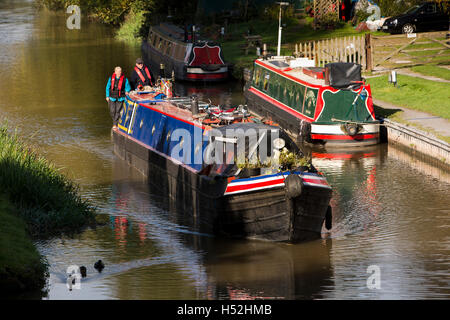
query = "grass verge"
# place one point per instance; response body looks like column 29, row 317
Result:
column 413, row 93
column 433, row 70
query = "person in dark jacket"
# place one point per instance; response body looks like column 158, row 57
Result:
column 116, row 90
column 141, row 75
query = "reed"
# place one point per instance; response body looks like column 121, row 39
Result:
column 47, row 201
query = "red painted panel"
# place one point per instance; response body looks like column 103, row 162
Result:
column 206, row 55
column 221, row 75
column 344, row 137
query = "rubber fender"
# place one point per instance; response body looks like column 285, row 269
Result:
column 328, row 218
column 294, row 186
column 352, row 128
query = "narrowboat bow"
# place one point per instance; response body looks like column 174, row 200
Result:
column 189, row 150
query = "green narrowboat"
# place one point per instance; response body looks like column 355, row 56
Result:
column 330, row 105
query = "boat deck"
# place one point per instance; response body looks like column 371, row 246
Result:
column 168, row 107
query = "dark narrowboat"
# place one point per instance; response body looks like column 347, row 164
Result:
column 187, row 59
column 189, row 151
column 331, row 106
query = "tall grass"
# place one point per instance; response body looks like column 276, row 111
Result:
column 47, row 201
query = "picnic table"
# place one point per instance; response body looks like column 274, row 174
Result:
column 253, row 41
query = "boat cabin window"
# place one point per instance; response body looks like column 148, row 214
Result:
column 257, row 77
column 277, row 86
column 266, row 80
column 169, row 46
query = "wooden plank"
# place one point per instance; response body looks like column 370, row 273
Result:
column 440, row 42
column 318, row 61
column 395, row 52
column 309, row 50
column 362, row 57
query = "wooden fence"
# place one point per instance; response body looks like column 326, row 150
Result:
column 378, row 53
column 397, row 51
column 346, row 49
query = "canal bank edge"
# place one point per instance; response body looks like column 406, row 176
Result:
column 22, row 268
column 36, row 202
column 418, row 141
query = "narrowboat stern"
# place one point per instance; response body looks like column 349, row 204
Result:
column 186, row 58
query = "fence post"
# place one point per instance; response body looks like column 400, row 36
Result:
column 369, row 53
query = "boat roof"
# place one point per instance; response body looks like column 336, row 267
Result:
column 169, row 107
column 170, row 30
column 180, row 109
column 293, row 68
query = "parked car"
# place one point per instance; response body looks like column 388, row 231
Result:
column 429, row 16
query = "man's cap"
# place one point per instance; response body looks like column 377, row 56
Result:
column 139, row 60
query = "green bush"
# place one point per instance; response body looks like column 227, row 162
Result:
column 360, row 16
column 391, row 8
column 330, row 20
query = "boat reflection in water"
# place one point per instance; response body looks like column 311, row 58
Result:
column 216, row 268
column 353, row 175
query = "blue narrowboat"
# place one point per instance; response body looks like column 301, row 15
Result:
column 191, row 153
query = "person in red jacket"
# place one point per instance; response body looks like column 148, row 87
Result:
column 116, row 90
column 141, row 75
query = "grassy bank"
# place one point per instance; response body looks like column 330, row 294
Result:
column 21, row 266
column 414, row 93
column 37, row 202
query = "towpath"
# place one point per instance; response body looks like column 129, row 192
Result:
column 422, row 119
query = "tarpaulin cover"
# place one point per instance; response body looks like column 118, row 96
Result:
column 341, row 74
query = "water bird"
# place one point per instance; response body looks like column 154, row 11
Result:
column 83, row 271
column 99, row 265
column 70, row 281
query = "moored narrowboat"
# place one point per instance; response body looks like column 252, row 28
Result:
column 331, row 105
column 190, row 151
column 186, row 58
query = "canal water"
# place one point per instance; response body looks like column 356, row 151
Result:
column 391, row 210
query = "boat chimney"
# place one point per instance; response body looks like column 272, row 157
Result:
column 264, row 53
column 185, row 33
column 162, row 74
column 194, row 105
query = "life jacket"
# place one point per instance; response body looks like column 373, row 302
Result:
column 116, row 89
column 141, row 76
